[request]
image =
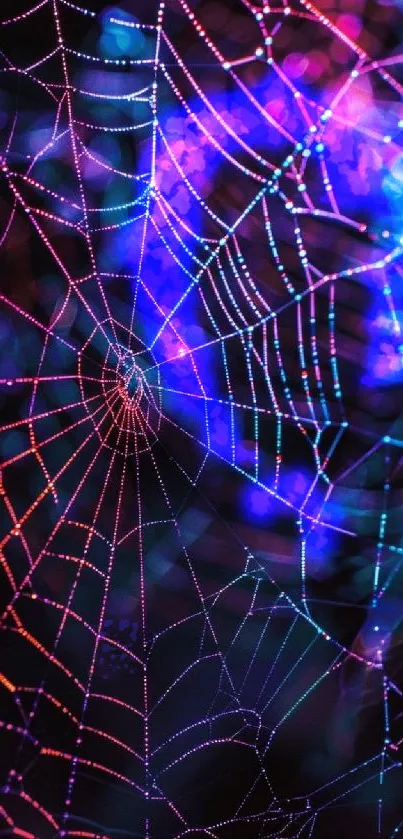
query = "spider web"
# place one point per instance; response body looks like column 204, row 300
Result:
column 200, row 444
